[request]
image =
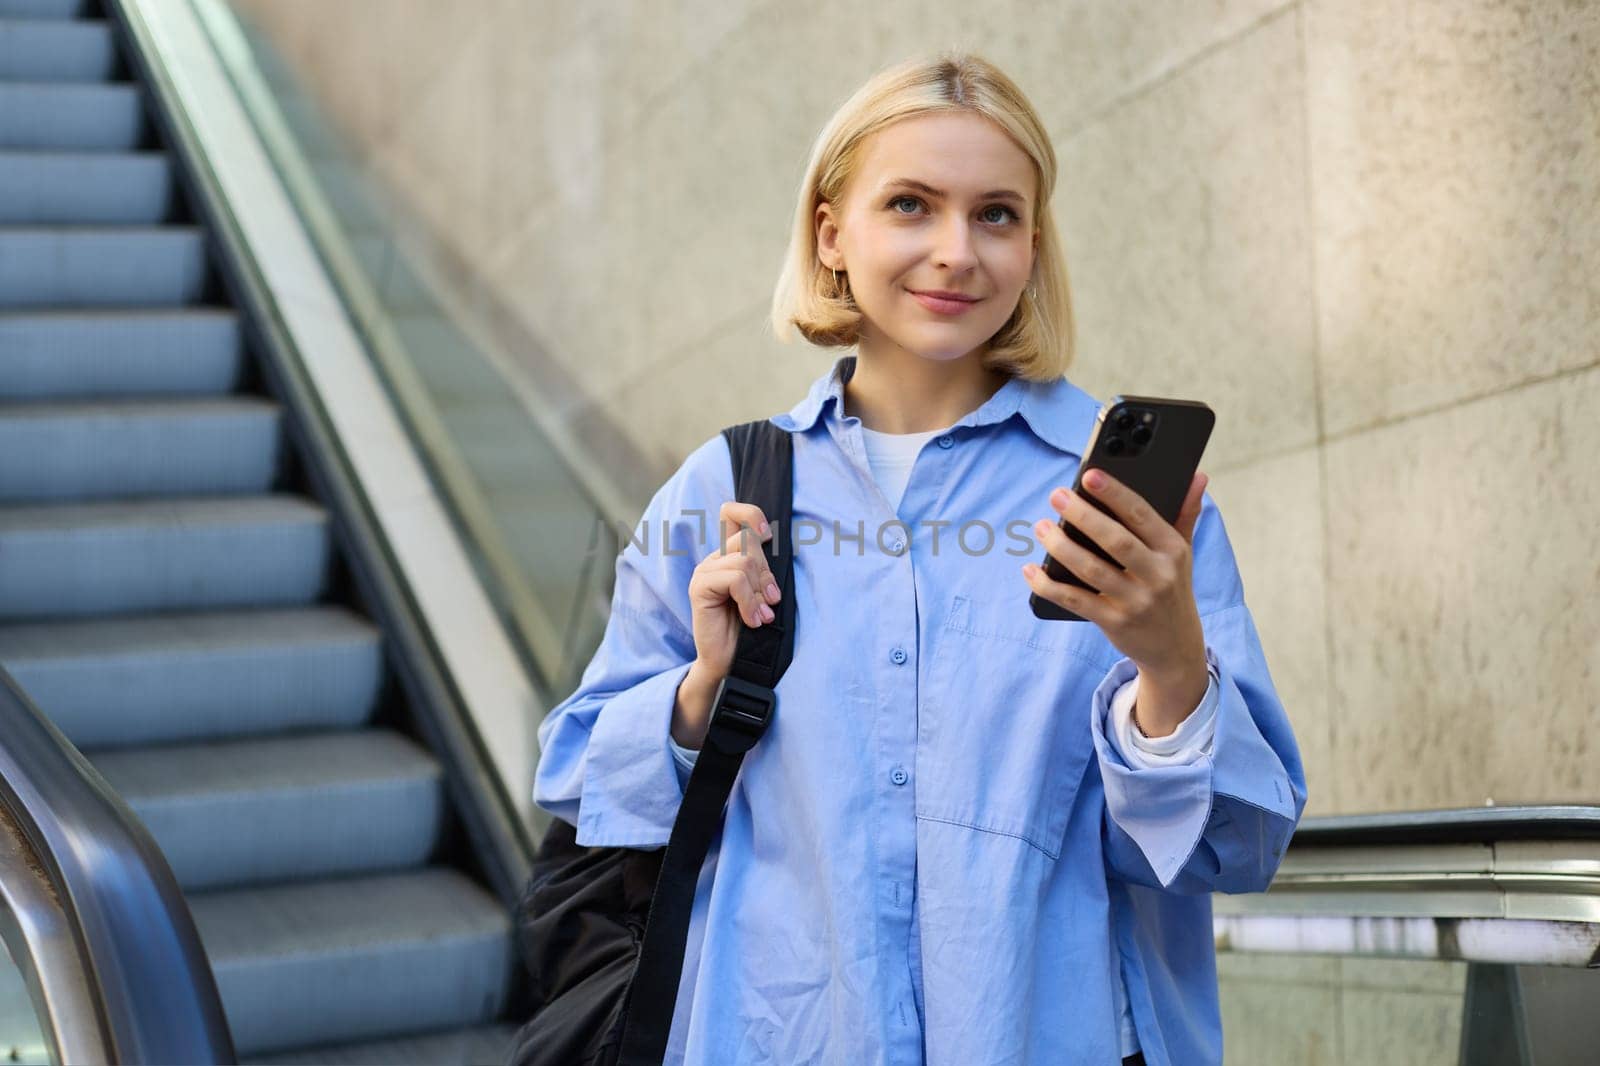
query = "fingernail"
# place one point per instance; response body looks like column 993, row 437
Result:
column 766, row 613
column 1095, row 479
column 765, row 529
column 772, row 590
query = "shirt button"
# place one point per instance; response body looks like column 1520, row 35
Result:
column 897, row 656
column 899, row 776
column 946, row 442
column 897, row 547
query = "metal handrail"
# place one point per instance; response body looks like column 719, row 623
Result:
column 1497, row 884
column 1484, row 824
column 92, row 913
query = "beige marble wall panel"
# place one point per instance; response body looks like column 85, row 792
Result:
column 563, row 281
column 1279, row 1010
column 555, row 100
column 480, row 115
column 370, row 60
column 1273, row 1023
column 716, row 165
column 570, row 84
column 1272, row 509
column 522, row 113
column 1184, row 215
column 735, row 141
column 1331, row 1011
column 1455, row 150
column 1463, row 617
column 1389, row 1028
column 654, row 47
column 550, row 104
column 508, row 132
column 1098, row 53
column 1278, row 969
column 734, row 375
column 1444, row 977
column 440, row 155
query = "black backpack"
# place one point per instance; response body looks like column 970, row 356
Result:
column 603, row 930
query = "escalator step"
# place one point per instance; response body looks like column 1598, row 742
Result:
column 460, row 1047
column 74, row 117
column 283, row 808
column 44, row 9
column 138, row 448
column 90, row 267
column 85, row 188
column 163, row 609
column 55, row 50
column 356, row 958
column 58, row 354
column 145, row 680
column 71, row 560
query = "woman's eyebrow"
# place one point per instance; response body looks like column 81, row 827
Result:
column 911, row 183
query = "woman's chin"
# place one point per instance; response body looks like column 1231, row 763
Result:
column 944, row 351
column 935, row 345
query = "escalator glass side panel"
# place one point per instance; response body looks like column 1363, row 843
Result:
column 500, row 425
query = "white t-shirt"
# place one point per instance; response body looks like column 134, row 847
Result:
column 891, row 457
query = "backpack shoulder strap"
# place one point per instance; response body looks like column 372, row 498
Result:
column 763, row 474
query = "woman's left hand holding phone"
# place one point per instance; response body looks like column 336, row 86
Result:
column 1147, row 610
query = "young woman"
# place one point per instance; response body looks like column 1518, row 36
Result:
column 969, row 835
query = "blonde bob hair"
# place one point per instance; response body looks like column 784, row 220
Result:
column 1036, row 342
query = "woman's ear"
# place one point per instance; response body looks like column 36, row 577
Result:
column 828, row 237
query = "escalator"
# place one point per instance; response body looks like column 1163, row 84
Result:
column 192, row 606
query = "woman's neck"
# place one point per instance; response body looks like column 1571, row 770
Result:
column 905, row 393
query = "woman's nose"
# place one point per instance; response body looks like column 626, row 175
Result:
column 953, row 244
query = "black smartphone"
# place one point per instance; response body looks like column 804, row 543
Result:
column 1151, row 445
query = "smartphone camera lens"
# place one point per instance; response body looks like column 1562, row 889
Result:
column 1124, row 420
column 1141, row 434
column 1114, row 446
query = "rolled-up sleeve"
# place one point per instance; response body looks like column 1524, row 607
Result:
column 1221, row 822
column 605, row 758
column 1185, row 744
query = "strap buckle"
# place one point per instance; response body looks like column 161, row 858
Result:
column 740, row 712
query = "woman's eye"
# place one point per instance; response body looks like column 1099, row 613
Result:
column 1006, row 213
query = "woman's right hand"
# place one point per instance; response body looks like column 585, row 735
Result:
column 731, row 587
column 731, row 584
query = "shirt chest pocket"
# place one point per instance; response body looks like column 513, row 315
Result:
column 1003, row 721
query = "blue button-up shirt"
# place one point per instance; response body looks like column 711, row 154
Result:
column 933, row 742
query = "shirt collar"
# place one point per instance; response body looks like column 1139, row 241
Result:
column 1058, row 412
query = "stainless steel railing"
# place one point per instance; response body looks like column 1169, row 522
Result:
column 91, row 913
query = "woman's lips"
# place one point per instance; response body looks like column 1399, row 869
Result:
column 942, row 305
